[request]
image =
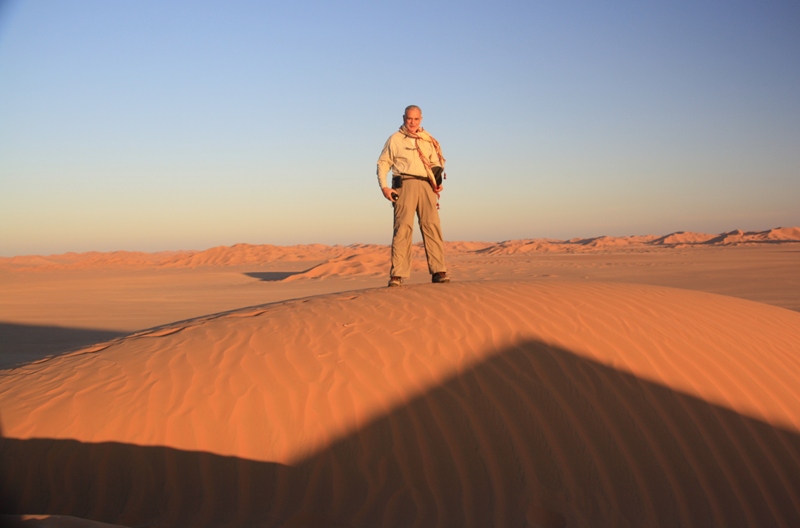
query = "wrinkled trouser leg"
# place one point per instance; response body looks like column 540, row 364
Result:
column 404, row 209
column 416, row 196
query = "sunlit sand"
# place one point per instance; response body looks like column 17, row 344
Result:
column 633, row 381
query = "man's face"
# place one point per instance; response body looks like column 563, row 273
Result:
column 412, row 119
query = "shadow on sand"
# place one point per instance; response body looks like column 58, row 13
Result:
column 533, row 436
column 272, row 276
column 21, row 343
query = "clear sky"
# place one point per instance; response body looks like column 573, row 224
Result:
column 153, row 125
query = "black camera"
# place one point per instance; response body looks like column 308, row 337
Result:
column 438, row 172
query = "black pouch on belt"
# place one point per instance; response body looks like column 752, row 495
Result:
column 397, row 182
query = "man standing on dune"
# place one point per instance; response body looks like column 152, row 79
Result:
column 417, row 166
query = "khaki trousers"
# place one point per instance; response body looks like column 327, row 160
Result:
column 416, row 196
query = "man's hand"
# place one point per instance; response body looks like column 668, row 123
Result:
column 387, row 193
column 439, row 188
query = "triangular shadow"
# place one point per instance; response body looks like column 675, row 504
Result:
column 533, row 436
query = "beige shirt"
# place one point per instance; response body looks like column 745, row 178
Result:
column 400, row 155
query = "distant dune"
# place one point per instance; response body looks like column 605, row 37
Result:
column 469, row 404
column 343, row 258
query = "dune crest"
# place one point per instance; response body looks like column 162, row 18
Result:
column 474, row 404
column 362, row 263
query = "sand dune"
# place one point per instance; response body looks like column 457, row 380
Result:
column 248, row 254
column 362, row 263
column 469, row 404
column 678, row 239
column 90, row 260
column 240, row 254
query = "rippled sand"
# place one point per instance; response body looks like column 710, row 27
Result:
column 550, row 400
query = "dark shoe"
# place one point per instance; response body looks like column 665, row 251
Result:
column 395, row 281
column 440, row 277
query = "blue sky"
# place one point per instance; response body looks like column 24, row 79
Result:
column 184, row 125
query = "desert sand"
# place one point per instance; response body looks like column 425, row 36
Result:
column 633, row 381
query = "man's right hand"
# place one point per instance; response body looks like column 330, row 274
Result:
column 387, row 193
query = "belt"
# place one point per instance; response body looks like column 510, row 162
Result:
column 413, row 177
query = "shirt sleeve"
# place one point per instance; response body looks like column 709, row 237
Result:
column 384, row 163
